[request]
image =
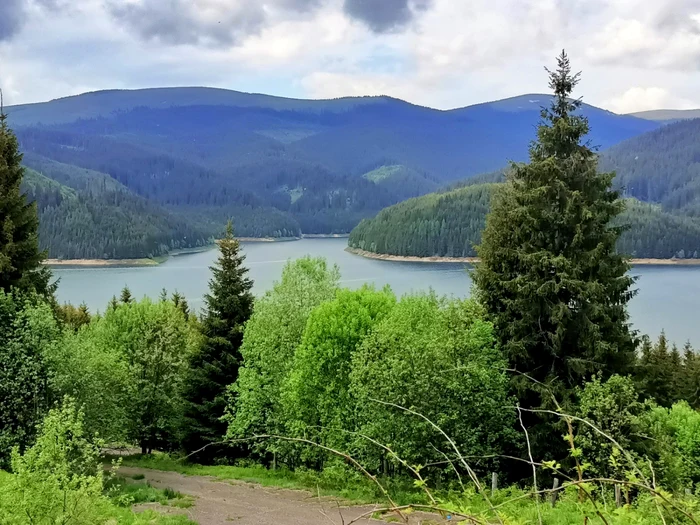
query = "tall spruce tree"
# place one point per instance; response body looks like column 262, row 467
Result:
column 550, row 277
column 20, row 257
column 214, row 367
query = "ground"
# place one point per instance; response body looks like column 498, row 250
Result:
column 226, row 502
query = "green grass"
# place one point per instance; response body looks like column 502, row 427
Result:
column 382, row 173
column 127, row 493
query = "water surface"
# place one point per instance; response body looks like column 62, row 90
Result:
column 668, row 296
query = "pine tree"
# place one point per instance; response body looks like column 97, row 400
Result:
column 550, row 277
column 215, row 366
column 181, row 304
column 125, row 296
column 20, row 258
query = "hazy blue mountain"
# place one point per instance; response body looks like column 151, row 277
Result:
column 668, row 115
column 323, row 165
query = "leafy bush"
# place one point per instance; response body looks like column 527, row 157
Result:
column 317, row 393
column 439, row 359
column 59, row 479
column 675, row 438
column 126, row 369
column 270, row 340
column 27, row 331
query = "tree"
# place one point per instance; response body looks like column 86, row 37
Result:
column 214, row 366
column 440, row 359
column 27, row 330
column 550, row 278
column 20, row 258
column 126, row 297
column 126, row 369
column 317, row 391
column 271, row 337
column 180, row 302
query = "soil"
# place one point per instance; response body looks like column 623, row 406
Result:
column 225, row 502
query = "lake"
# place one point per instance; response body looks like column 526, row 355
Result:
column 668, row 298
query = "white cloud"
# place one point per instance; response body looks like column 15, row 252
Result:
column 634, row 54
column 643, row 99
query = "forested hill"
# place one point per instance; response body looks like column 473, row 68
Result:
column 85, row 214
column 662, row 166
column 277, row 166
column 450, row 224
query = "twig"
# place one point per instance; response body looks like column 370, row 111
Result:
column 428, row 508
column 471, row 473
column 532, row 462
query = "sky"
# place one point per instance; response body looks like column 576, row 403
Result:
column 634, row 55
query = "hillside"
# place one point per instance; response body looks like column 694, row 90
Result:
column 662, row 166
column 450, row 224
column 86, row 214
column 277, row 166
column 666, row 115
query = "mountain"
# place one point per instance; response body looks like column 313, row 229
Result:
column 449, row 224
column 662, row 166
column 316, row 166
column 667, row 115
column 99, row 219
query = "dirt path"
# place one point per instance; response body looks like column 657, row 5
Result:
column 231, row 502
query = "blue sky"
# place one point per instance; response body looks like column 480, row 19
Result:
column 635, row 54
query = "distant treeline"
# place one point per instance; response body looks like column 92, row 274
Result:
column 450, row 225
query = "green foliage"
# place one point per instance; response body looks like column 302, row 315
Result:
column 126, row 493
column 550, row 278
column 270, row 340
column 214, row 366
column 666, row 376
column 28, row 331
column 443, row 224
column 675, row 440
column 88, row 215
column 58, row 479
column 317, row 396
column 613, row 406
column 450, row 224
column 439, row 359
column 126, row 368
column 20, row 258
column 72, row 317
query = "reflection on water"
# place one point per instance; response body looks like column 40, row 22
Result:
column 668, row 297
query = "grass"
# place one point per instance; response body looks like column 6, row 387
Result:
column 382, row 173
column 126, row 493
column 335, row 481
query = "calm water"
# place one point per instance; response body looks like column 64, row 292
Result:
column 668, row 297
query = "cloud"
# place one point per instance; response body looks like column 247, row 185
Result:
column 209, row 22
column 654, row 35
column 385, row 15
column 11, row 18
column 643, row 99
column 440, row 53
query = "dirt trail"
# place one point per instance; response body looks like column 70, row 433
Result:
column 231, row 502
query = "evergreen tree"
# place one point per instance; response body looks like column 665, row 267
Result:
column 215, row 365
column 20, row 258
column 181, row 304
column 113, row 303
column 125, row 296
column 550, row 278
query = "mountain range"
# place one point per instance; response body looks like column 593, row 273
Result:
column 185, row 160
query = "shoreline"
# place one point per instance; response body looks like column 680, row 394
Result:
column 474, row 260
column 144, row 262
